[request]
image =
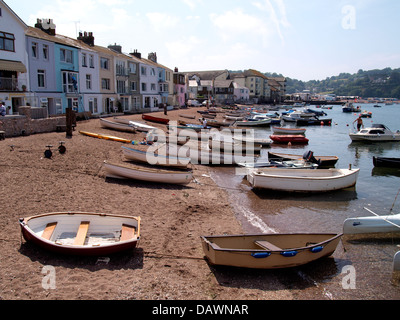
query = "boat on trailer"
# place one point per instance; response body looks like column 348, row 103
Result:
column 82, row 233
column 268, row 251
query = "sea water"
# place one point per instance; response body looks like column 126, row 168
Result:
column 360, row 268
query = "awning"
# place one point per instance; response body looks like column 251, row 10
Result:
column 8, row 65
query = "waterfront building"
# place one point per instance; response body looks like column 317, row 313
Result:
column 14, row 81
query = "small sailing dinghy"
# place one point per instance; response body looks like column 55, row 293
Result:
column 82, row 233
column 268, row 251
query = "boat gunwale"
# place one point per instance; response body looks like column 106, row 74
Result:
column 277, row 176
column 217, row 248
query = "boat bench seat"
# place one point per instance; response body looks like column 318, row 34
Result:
column 81, row 234
column 267, row 245
column 127, row 232
column 48, row 231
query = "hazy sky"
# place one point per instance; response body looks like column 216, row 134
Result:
column 301, row 39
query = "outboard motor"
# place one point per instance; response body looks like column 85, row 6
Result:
column 309, row 157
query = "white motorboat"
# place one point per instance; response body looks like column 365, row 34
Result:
column 302, row 180
column 376, row 133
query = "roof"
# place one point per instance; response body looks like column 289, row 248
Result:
column 206, row 75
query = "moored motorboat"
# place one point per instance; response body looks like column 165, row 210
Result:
column 376, row 133
column 324, row 161
column 268, row 251
column 289, row 138
column 125, row 171
column 253, row 122
column 82, row 233
column 302, row 180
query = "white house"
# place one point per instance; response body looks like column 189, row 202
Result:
column 14, row 80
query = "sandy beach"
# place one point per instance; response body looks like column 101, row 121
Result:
column 168, row 263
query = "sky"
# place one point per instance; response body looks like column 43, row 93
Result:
column 300, row 39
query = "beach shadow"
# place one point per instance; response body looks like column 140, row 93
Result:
column 337, row 195
column 298, row 278
column 129, row 259
column 148, row 185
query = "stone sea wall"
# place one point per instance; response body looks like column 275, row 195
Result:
column 23, row 124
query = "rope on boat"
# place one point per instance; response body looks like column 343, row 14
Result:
column 384, row 219
column 394, row 200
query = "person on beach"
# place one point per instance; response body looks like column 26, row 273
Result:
column 359, row 123
column 205, row 123
column 3, row 109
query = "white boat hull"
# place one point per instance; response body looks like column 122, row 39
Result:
column 145, row 174
column 116, row 126
column 374, row 137
column 373, row 224
column 396, row 261
column 302, row 180
column 155, row 159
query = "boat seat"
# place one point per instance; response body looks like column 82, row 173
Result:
column 267, row 245
column 48, row 231
column 127, row 232
column 81, row 234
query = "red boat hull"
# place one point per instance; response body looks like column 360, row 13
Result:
column 297, row 139
column 155, row 119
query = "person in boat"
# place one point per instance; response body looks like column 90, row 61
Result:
column 359, row 123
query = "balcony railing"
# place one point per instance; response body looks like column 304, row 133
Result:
column 12, row 84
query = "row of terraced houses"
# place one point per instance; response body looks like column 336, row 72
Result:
column 41, row 68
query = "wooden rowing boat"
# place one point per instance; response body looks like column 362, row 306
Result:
column 302, row 180
column 116, row 126
column 150, row 118
column 82, row 233
column 268, row 251
column 282, row 130
column 386, row 162
column 324, row 161
column 154, row 158
column 105, row 136
column 125, row 171
column 289, row 138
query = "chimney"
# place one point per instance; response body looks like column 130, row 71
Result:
column 152, row 56
column 136, row 54
column 115, row 47
column 176, row 69
column 87, row 38
column 46, row 25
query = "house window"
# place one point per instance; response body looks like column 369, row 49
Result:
column 133, row 86
column 144, row 86
column 105, row 84
column 143, row 71
column 120, row 86
column 70, row 82
column 132, row 68
column 41, row 76
column 66, row 55
column 7, row 41
column 105, row 63
column 45, row 52
column 34, row 50
column 152, row 72
column 84, row 63
column 91, row 61
column 153, row 87
column 93, row 105
column 88, row 82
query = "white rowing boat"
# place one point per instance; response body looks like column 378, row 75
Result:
column 147, row 174
column 302, row 180
column 82, row 233
column 108, row 124
column 151, row 157
column 372, row 224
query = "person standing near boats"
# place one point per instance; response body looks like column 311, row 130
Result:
column 359, row 123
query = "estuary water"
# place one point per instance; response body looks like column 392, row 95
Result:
column 360, row 268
